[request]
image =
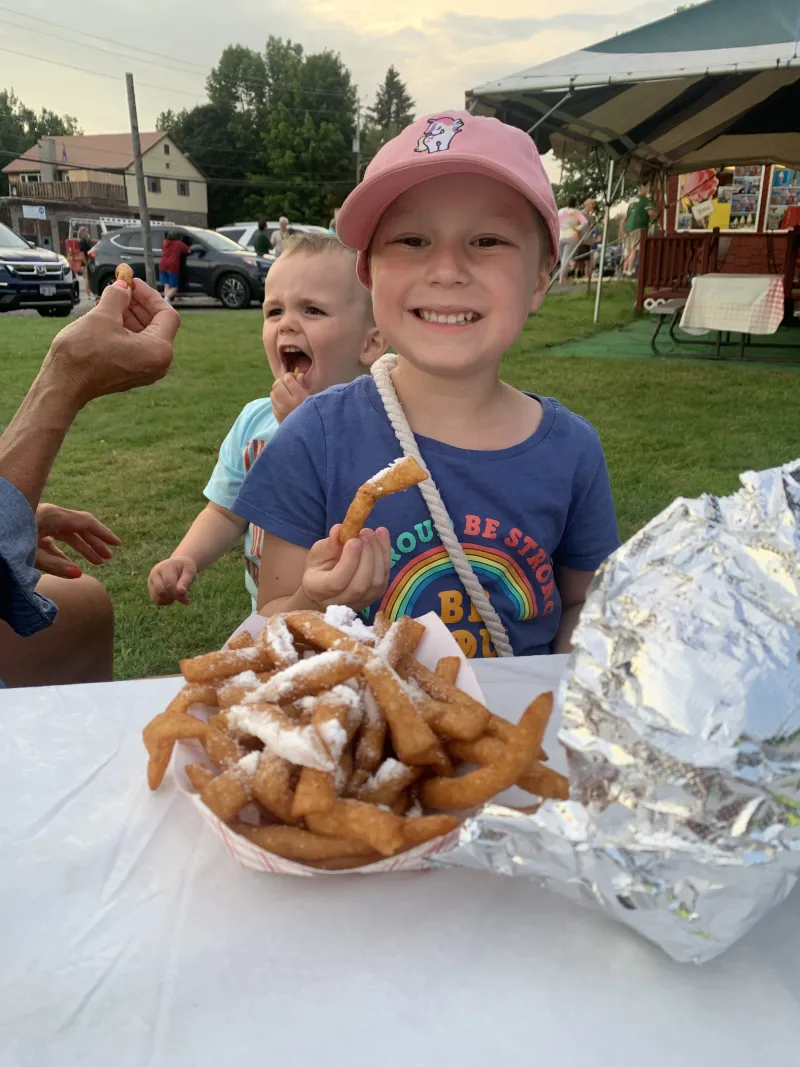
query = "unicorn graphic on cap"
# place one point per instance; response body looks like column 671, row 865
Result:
column 438, row 134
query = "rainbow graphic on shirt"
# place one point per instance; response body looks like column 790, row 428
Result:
column 488, row 563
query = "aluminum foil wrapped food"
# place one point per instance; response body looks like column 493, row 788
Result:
column 681, row 719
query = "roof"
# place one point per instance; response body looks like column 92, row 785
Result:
column 709, row 85
column 107, row 151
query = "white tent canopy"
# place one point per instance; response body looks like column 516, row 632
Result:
column 710, row 85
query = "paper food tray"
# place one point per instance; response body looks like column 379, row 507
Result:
column 436, row 643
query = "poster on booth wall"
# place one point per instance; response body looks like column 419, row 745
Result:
column 783, row 212
column 727, row 199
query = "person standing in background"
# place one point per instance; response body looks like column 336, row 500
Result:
column 85, row 246
column 280, row 235
column 169, row 267
column 571, row 222
column 641, row 212
column 261, row 242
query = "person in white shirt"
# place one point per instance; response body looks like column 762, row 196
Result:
column 572, row 223
column 278, row 238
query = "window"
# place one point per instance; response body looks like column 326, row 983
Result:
column 167, row 165
column 234, row 233
column 183, row 188
column 166, row 149
column 154, row 185
column 29, row 177
column 128, row 239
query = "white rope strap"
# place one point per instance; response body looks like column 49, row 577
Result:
column 382, row 373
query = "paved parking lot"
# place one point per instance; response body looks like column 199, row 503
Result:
column 187, row 303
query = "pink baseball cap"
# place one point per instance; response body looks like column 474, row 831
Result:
column 447, row 142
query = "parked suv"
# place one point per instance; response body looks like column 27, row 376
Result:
column 215, row 266
column 243, row 232
column 33, row 277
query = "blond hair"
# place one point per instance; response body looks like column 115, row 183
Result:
column 317, row 244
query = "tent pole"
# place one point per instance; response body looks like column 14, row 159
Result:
column 604, row 245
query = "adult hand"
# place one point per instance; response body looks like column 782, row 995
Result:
column 354, row 575
column 171, row 579
column 287, row 394
column 78, row 529
column 123, row 342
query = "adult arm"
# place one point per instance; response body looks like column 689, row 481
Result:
column 126, row 341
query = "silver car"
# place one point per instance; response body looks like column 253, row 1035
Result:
column 243, row 232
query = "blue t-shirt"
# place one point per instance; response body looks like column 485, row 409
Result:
column 516, row 511
column 247, row 437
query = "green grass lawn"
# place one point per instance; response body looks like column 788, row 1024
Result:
column 140, row 461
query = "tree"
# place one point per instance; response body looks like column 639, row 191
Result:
column 282, row 124
column 585, row 178
column 392, row 111
column 21, row 128
column 306, row 164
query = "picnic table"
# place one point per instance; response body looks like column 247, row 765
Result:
column 724, row 304
column 130, row 937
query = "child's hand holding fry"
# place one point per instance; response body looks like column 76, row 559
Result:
column 354, row 575
column 288, row 393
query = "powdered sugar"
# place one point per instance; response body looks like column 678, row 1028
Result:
column 334, row 737
column 376, row 478
column 247, row 679
column 388, row 772
column 346, row 620
column 282, row 685
column 279, row 641
column 300, row 745
column 411, row 689
column 248, row 765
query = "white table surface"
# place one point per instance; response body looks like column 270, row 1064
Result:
column 741, row 303
column 129, row 938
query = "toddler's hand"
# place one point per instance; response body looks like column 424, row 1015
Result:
column 287, row 394
column 171, row 579
column 354, row 575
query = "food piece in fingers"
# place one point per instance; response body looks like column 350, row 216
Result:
column 124, row 273
column 447, row 669
column 315, row 793
column 401, row 639
column 302, row 845
column 273, row 787
column 216, row 666
column 160, row 735
column 277, row 640
column 459, row 794
column 353, row 820
column 413, row 740
column 400, row 475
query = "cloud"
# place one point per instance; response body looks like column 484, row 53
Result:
column 439, row 52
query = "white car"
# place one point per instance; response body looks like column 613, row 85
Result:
column 243, row 232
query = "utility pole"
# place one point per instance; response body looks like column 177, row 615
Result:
column 357, row 140
column 141, row 188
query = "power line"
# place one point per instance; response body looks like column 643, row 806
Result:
column 96, row 73
column 241, row 182
column 94, row 47
column 106, row 40
column 172, row 59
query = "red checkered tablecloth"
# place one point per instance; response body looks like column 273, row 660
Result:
column 739, row 303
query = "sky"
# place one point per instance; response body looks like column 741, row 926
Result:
column 439, row 52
